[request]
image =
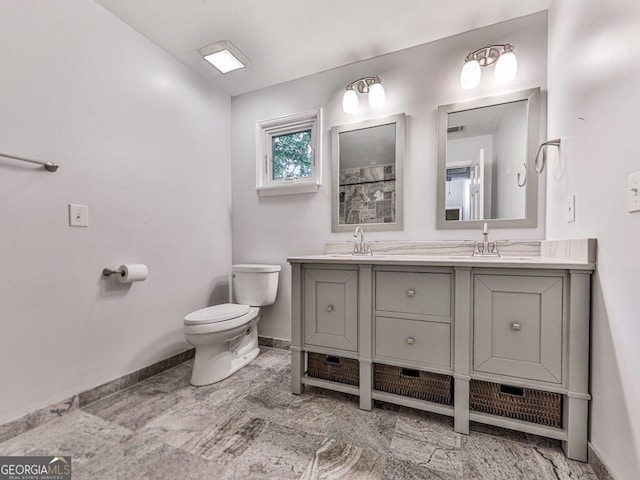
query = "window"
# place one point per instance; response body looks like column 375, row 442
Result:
column 288, row 154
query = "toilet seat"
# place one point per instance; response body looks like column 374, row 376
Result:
column 219, row 318
column 215, row 314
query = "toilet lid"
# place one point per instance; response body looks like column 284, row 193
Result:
column 217, row 313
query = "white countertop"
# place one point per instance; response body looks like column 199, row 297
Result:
column 446, row 261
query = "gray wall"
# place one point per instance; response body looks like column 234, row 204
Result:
column 141, row 140
column 594, row 73
column 417, row 81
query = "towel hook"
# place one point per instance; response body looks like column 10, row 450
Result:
column 522, row 183
column 540, row 165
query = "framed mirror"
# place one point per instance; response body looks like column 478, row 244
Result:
column 486, row 151
column 368, row 174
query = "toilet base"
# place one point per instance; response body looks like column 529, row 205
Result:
column 213, row 363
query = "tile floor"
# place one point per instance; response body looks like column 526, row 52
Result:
column 251, row 427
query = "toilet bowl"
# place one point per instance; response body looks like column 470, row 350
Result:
column 226, row 336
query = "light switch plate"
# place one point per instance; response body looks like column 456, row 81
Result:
column 633, row 192
column 571, row 208
column 78, row 215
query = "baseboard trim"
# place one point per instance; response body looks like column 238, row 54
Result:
column 597, row 464
column 47, row 414
column 274, row 342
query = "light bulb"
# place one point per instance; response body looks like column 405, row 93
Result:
column 470, row 75
column 350, row 101
column 506, row 68
column 376, row 95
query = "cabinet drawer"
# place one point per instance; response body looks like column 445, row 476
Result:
column 425, row 343
column 517, row 326
column 415, row 293
column 331, row 308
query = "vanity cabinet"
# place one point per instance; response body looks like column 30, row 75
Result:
column 518, row 328
column 331, row 308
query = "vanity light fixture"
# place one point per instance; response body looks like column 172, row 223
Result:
column 224, row 55
column 502, row 55
column 369, row 85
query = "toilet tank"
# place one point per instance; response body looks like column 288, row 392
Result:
column 255, row 285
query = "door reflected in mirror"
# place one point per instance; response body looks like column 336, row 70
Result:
column 485, row 164
column 486, row 149
column 368, row 161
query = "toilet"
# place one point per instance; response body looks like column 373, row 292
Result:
column 226, row 336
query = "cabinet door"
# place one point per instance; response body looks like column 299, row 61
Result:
column 331, row 308
column 517, row 326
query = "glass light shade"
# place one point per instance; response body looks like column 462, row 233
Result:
column 506, row 68
column 470, row 75
column 350, row 101
column 376, row 95
column 224, row 61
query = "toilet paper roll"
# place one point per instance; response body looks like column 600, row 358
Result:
column 135, row 272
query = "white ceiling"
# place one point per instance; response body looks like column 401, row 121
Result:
column 288, row 39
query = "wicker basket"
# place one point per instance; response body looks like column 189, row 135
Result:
column 433, row 387
column 525, row 404
column 333, row 368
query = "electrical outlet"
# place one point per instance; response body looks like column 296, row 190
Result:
column 633, row 192
column 571, row 208
column 78, row 215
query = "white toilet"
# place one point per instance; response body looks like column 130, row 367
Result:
column 226, row 335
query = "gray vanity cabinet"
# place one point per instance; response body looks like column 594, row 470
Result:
column 517, row 326
column 331, row 308
column 519, row 329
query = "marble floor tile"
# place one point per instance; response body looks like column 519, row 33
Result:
column 396, row 469
column 492, row 458
column 336, row 461
column 373, row 430
column 137, row 405
column 273, row 358
column 37, row 418
column 250, row 426
column 428, row 440
column 557, row 466
column 277, row 453
column 81, row 435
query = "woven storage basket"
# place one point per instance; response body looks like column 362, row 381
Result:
column 333, row 368
column 525, row 404
column 433, row 387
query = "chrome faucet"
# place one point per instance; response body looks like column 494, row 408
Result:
column 485, row 248
column 361, row 247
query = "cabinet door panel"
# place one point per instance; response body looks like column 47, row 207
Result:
column 331, row 308
column 518, row 326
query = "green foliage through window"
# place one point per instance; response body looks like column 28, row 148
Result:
column 292, row 155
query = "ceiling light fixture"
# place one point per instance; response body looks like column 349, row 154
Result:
column 365, row 85
column 224, row 55
column 501, row 55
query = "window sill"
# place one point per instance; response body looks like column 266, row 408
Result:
column 288, row 189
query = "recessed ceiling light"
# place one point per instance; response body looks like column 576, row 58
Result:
column 224, row 56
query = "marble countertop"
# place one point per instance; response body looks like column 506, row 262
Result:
column 446, row 261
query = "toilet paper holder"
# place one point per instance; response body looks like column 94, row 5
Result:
column 107, row 272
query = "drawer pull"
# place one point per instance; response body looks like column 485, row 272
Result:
column 330, row 308
column 411, row 293
column 408, row 372
column 410, row 341
column 509, row 390
column 333, row 360
column 515, row 327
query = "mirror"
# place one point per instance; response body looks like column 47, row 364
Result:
column 368, row 171
column 486, row 152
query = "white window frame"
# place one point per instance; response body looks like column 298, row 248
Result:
column 265, row 131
